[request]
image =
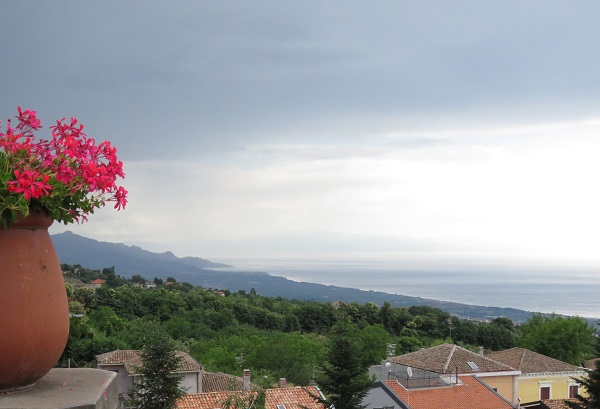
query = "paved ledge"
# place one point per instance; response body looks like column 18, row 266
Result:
column 67, row 389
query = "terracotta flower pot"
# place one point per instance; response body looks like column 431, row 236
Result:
column 34, row 313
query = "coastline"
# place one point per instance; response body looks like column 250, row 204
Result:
column 562, row 291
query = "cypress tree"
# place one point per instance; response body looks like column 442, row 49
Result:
column 157, row 385
column 346, row 380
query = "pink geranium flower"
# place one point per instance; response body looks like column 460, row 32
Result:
column 67, row 176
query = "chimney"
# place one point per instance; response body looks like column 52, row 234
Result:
column 199, row 379
column 480, row 351
column 282, row 382
column 246, row 379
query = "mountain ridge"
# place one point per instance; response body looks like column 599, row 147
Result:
column 128, row 260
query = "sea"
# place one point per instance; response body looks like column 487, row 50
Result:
column 561, row 289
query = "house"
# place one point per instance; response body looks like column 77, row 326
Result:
column 426, row 365
column 125, row 362
column 300, row 397
column 97, row 283
column 463, row 392
column 542, row 377
column 195, row 379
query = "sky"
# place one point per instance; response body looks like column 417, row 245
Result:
column 328, row 129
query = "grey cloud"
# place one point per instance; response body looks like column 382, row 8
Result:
column 214, row 76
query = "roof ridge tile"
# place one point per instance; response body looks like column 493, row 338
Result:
column 450, row 354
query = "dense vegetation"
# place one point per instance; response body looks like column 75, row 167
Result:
column 275, row 337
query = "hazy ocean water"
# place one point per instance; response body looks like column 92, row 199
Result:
column 561, row 290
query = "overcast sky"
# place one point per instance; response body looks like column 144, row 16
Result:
column 328, row 129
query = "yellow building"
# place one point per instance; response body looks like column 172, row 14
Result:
column 541, row 377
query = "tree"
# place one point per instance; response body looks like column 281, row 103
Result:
column 106, row 320
column 138, row 279
column 591, row 383
column 374, row 340
column 291, row 322
column 568, row 339
column 408, row 341
column 79, row 330
column 135, row 332
column 286, row 355
column 346, row 380
column 83, row 352
column 87, row 297
column 157, row 386
column 504, row 322
column 495, row 337
column 111, row 277
column 75, row 307
column 315, row 317
column 407, row 344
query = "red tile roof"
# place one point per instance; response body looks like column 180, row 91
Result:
column 211, row 400
column 530, row 362
column 220, row 382
column 448, row 358
column 293, row 398
column 296, row 397
column 590, row 363
column 131, row 359
column 470, row 394
column 118, row 357
column 556, row 403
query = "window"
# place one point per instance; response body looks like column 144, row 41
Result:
column 472, row 365
column 573, row 390
column 544, row 392
column 280, row 406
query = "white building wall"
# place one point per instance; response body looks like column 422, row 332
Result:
column 190, row 383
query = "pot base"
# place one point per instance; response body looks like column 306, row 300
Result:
column 17, row 389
